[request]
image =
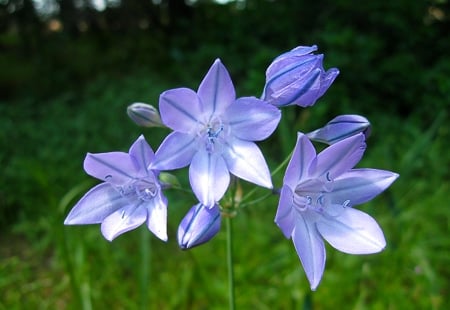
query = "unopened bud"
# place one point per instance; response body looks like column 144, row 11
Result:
column 144, row 115
column 341, row 127
column 199, row 225
column 297, row 77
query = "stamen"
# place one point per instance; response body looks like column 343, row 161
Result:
column 145, row 189
column 213, row 131
column 320, row 200
column 301, row 202
column 214, row 134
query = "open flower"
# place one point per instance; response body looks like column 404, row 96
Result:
column 316, row 202
column 198, row 226
column 297, row 77
column 129, row 196
column 214, row 134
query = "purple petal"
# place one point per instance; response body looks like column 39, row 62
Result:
column 285, row 215
column 216, row 91
column 113, row 167
column 180, row 109
column 327, row 80
column 157, row 217
column 96, row 205
column 209, row 177
column 352, row 232
column 123, row 220
column 176, row 151
column 245, row 160
column 340, row 157
column 361, row 185
column 301, row 160
column 142, row 154
column 310, row 248
column 303, row 50
column 252, row 119
column 303, row 92
column 281, row 63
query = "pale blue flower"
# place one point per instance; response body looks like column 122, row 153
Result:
column 129, row 196
column 214, row 134
column 316, row 202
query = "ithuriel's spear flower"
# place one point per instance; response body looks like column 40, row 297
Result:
column 297, row 77
column 199, row 225
column 316, row 202
column 214, row 133
column 129, row 196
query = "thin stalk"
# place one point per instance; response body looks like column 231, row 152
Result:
column 229, row 230
column 274, row 172
column 144, row 271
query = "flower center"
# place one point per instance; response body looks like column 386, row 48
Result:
column 310, row 201
column 145, row 189
column 213, row 135
column 314, row 195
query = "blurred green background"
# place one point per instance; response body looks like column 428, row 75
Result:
column 68, row 70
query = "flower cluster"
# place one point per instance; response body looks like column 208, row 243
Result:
column 214, row 133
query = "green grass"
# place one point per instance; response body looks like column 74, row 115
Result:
column 45, row 265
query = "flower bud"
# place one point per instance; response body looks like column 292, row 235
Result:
column 341, row 127
column 199, row 225
column 297, row 77
column 144, row 115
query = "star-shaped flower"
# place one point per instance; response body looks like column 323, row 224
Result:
column 317, row 198
column 214, row 134
column 129, row 196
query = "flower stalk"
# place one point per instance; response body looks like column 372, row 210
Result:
column 230, row 264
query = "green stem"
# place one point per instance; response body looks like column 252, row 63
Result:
column 285, row 133
column 144, row 271
column 274, row 172
column 231, row 299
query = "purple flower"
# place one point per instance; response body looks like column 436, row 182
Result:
column 297, row 77
column 341, row 127
column 199, row 225
column 129, row 196
column 214, row 134
column 317, row 198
